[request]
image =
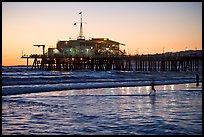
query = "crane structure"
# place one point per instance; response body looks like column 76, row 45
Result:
column 43, row 46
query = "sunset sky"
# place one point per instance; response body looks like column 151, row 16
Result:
column 151, row 26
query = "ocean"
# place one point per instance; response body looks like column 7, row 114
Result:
column 100, row 103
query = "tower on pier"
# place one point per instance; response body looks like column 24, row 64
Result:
column 81, row 28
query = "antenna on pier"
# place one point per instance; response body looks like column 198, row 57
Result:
column 81, row 29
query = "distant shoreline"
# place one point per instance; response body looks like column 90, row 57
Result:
column 18, row 66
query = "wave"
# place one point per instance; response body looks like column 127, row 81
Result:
column 24, row 89
column 21, row 82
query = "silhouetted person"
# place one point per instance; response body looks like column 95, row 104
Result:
column 152, row 88
column 197, row 79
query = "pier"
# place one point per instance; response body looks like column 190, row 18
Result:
column 119, row 62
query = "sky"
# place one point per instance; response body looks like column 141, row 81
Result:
column 143, row 27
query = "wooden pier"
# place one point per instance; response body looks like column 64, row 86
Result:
column 123, row 62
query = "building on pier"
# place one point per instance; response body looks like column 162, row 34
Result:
column 86, row 48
